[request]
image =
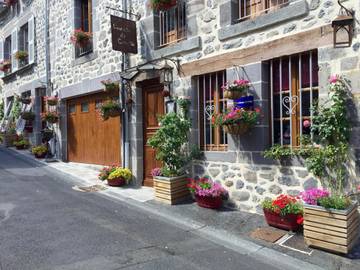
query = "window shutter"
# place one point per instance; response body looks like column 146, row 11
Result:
column 31, row 39
column 1, row 55
column 14, row 49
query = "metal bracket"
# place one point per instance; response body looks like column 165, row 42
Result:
column 136, row 15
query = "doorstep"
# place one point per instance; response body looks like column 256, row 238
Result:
column 231, row 228
column 87, row 175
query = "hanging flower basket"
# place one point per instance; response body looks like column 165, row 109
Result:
column 28, row 116
column 236, row 89
column 50, row 117
column 80, row 38
column 162, row 5
column 52, row 101
column 236, row 129
column 10, row 3
column 5, row 66
column 109, row 109
column 110, row 86
column 25, row 100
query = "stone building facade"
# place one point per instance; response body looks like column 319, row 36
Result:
column 218, row 42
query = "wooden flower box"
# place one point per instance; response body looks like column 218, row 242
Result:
column 332, row 230
column 171, row 190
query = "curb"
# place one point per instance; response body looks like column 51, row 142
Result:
column 217, row 236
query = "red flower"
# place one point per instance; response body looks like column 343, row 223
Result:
column 300, row 220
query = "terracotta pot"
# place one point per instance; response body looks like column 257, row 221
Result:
column 236, row 129
column 209, row 202
column 39, row 156
column 116, row 182
column 234, row 94
column 288, row 222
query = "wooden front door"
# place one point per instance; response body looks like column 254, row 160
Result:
column 90, row 139
column 153, row 101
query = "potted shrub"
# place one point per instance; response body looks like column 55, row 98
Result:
column 28, row 116
column 284, row 212
column 22, row 56
column 39, row 151
column 207, row 193
column 50, row 117
column 110, row 108
column 52, row 101
column 237, row 121
column 162, row 5
column 170, row 139
column 119, row 177
column 236, row 89
column 5, row 66
column 47, row 135
column 331, row 221
column 110, row 86
column 22, row 144
column 80, row 38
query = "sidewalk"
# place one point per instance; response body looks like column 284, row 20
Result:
column 228, row 227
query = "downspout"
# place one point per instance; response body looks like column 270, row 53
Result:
column 125, row 114
column 47, row 49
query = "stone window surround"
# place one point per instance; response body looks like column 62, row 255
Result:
column 229, row 14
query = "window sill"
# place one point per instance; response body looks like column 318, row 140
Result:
column 21, row 70
column 177, row 48
column 292, row 11
column 85, row 58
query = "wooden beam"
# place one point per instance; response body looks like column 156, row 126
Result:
column 301, row 42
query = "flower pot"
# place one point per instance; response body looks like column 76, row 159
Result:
column 21, row 147
column 39, row 156
column 209, row 202
column 116, row 182
column 333, row 230
column 233, row 94
column 52, row 102
column 245, row 102
column 288, row 222
column 165, row 6
column 113, row 113
column 236, row 129
column 111, row 88
column 171, row 190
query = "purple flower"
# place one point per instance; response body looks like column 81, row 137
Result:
column 311, row 196
column 156, row 172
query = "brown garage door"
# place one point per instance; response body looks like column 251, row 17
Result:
column 90, row 139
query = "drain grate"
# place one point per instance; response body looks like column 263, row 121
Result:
column 268, row 234
column 93, row 188
column 295, row 242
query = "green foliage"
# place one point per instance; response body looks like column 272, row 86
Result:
column 169, row 142
column 120, row 173
column 16, row 109
column 39, row 150
column 24, row 143
column 326, row 157
column 109, row 108
column 337, row 202
column 2, row 108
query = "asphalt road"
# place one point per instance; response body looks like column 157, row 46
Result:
column 44, row 224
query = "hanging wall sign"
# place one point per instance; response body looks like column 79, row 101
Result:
column 124, row 38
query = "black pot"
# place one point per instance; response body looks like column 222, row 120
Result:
column 47, row 135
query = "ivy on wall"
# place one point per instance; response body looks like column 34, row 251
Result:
column 327, row 155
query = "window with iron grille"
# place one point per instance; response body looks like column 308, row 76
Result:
column 294, row 89
column 211, row 101
column 23, row 37
column 249, row 9
column 83, row 13
column 172, row 24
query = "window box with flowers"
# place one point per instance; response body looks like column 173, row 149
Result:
column 331, row 222
column 22, row 57
column 80, row 38
column 207, row 193
column 237, row 121
column 284, row 212
column 236, row 90
column 162, row 5
column 50, row 117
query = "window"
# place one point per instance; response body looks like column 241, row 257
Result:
column 23, row 37
column 211, row 101
column 172, row 24
column 249, row 9
column 7, row 52
column 83, row 21
column 72, row 108
column 85, row 107
column 294, row 89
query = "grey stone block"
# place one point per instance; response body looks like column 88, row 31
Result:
column 310, row 183
column 292, row 11
column 192, row 26
column 274, row 189
column 221, row 156
column 288, row 181
column 241, row 196
column 349, row 63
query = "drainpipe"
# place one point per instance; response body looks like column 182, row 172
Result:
column 125, row 114
column 47, row 49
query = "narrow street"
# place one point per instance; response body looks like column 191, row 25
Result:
column 44, row 224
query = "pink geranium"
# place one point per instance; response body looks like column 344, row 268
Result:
column 205, row 187
column 311, row 196
column 237, row 85
column 306, row 123
column 333, row 79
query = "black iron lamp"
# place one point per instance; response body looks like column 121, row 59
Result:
column 343, row 26
column 166, row 76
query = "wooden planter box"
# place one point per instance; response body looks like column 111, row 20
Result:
column 171, row 190
column 332, row 230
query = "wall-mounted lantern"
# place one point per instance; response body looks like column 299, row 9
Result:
column 166, row 76
column 343, row 26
